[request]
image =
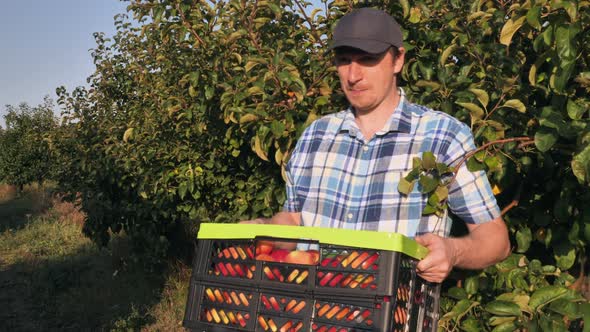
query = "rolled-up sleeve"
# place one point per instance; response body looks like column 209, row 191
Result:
column 470, row 195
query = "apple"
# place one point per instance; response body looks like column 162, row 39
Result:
column 286, row 327
column 265, row 257
column 301, row 277
column 273, row 274
column 332, row 311
column 334, row 282
column 239, row 270
column 366, row 264
column 348, row 259
column 264, row 247
column 361, row 258
column 241, row 320
column 222, row 269
column 327, row 277
column 262, row 323
column 274, row 303
column 231, row 270
column 210, row 295
column 323, row 310
column 265, row 302
column 315, row 256
column 279, row 255
column 299, row 257
column 298, row 307
column 290, row 305
column 245, row 302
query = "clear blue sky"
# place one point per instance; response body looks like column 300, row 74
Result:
column 45, row 44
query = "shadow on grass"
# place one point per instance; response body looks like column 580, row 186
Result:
column 17, row 212
column 82, row 291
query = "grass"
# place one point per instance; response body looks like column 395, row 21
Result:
column 53, row 278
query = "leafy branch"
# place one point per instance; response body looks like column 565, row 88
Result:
column 435, row 178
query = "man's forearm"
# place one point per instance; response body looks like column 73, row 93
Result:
column 485, row 245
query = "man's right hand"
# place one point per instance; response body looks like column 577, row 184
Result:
column 258, row 221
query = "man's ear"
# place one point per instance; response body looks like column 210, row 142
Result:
column 398, row 61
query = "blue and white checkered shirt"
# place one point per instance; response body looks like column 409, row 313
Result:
column 335, row 178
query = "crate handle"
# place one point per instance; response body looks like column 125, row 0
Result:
column 344, row 237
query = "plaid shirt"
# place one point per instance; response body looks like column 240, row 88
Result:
column 336, row 178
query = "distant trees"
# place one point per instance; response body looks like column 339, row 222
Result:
column 24, row 149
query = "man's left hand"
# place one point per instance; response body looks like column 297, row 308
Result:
column 439, row 262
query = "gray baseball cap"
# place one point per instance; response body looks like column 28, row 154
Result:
column 370, row 30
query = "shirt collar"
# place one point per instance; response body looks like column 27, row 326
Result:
column 400, row 120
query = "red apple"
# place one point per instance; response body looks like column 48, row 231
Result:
column 265, row 257
column 299, row 257
column 264, row 247
column 315, row 256
column 279, row 255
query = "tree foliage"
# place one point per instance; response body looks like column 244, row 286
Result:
column 194, row 108
column 24, row 150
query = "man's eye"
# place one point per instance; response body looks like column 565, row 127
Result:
column 368, row 59
column 342, row 60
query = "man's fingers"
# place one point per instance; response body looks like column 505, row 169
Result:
column 425, row 239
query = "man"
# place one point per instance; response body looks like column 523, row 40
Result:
column 346, row 167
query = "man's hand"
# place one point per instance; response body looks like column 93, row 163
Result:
column 485, row 245
column 281, row 218
column 258, row 221
column 439, row 262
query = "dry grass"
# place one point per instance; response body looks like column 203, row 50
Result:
column 67, row 211
column 7, row 193
column 53, row 278
column 169, row 312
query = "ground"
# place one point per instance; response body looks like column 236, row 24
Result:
column 53, row 278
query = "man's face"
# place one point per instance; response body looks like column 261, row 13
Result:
column 368, row 80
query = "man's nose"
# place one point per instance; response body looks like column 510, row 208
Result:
column 355, row 72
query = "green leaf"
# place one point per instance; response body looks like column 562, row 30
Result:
column 461, row 308
column 405, row 187
column 475, row 111
column 277, row 128
column 505, row 327
column 533, row 16
column 566, row 308
column 482, row 96
column 429, row 209
column 457, row 293
column 575, row 111
column 433, row 199
column 499, row 320
column 472, row 285
column 446, row 53
column 581, row 169
column 545, row 295
column 509, row 29
column 416, row 162
column 524, row 236
column 565, row 255
column 128, row 134
column 182, row 189
column 428, row 160
column 545, row 138
column 428, row 183
column 248, row 118
column 442, row 192
column 503, row 308
column 258, row 148
column 474, row 166
column 515, row 104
